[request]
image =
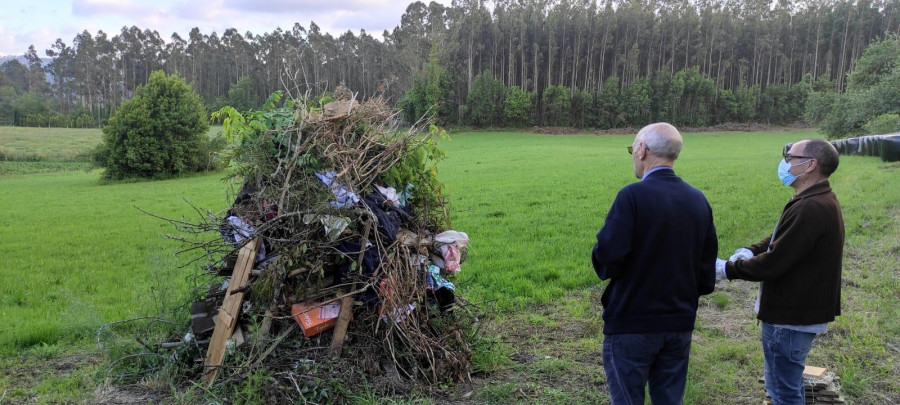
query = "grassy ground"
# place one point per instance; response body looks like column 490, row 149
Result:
column 25, row 150
column 47, row 144
column 81, row 255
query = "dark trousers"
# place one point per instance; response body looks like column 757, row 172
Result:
column 633, row 360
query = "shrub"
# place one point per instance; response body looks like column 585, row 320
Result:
column 517, row 107
column 159, row 133
column 557, row 106
column 486, row 100
column 883, row 124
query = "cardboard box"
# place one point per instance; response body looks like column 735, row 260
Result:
column 315, row 317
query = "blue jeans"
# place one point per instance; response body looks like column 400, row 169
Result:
column 784, row 357
column 633, row 360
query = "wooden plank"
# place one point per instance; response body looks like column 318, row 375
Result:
column 231, row 306
column 812, row 371
column 340, row 329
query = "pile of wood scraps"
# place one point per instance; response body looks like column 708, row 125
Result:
column 821, row 387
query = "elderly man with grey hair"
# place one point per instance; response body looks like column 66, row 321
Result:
column 658, row 250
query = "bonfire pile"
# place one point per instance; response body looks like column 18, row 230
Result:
column 336, row 256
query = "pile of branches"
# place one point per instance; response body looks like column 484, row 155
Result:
column 343, row 203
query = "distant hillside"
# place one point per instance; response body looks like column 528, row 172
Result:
column 22, row 60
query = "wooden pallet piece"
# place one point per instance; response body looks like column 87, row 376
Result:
column 340, row 329
column 231, row 307
column 343, row 321
column 813, row 371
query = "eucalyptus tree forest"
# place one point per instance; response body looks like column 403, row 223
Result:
column 583, row 63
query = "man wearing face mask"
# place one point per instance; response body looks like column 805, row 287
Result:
column 798, row 268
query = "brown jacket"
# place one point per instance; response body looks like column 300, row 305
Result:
column 801, row 266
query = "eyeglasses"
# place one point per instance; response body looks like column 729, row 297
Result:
column 630, row 149
column 788, row 157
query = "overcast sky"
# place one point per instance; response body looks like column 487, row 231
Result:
column 41, row 22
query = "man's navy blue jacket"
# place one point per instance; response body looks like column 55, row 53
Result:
column 658, row 249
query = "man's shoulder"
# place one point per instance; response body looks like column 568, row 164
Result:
column 817, row 204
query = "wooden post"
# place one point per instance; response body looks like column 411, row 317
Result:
column 340, row 328
column 231, row 308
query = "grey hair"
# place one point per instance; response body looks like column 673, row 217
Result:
column 662, row 139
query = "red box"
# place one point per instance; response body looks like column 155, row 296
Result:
column 315, row 317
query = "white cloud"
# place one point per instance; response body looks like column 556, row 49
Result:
column 40, row 22
column 296, row 6
column 212, row 10
column 16, row 44
column 91, row 8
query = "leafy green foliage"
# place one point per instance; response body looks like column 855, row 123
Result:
column 557, row 106
column 608, row 105
column 636, row 102
column 242, row 95
column 873, row 89
column 517, row 107
column 159, row 133
column 419, row 170
column 581, row 108
column 431, row 95
column 819, row 105
column 883, row 124
column 485, row 101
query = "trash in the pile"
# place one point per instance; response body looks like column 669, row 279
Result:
column 315, row 317
column 442, row 289
column 202, row 313
column 334, row 225
column 236, row 230
column 389, row 217
column 390, row 194
column 405, row 195
column 450, row 243
column 344, row 198
column 399, row 315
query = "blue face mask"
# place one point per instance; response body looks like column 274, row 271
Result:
column 784, row 172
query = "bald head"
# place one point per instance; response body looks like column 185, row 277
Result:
column 661, row 139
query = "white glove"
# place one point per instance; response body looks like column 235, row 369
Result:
column 720, row 270
column 742, row 254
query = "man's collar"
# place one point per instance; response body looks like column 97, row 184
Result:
column 653, row 170
column 818, row 188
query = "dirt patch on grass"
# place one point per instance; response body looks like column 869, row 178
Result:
column 47, row 378
column 552, row 357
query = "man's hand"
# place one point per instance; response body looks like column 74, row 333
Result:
column 720, row 270
column 740, row 254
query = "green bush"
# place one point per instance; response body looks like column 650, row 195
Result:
column 486, row 100
column 557, row 106
column 873, row 90
column 159, row 133
column 883, row 124
column 431, row 94
column 517, row 107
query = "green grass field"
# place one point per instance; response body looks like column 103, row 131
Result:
column 78, row 254
column 25, row 150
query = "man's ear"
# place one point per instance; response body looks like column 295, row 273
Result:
column 813, row 167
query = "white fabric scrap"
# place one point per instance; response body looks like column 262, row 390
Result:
column 389, row 194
